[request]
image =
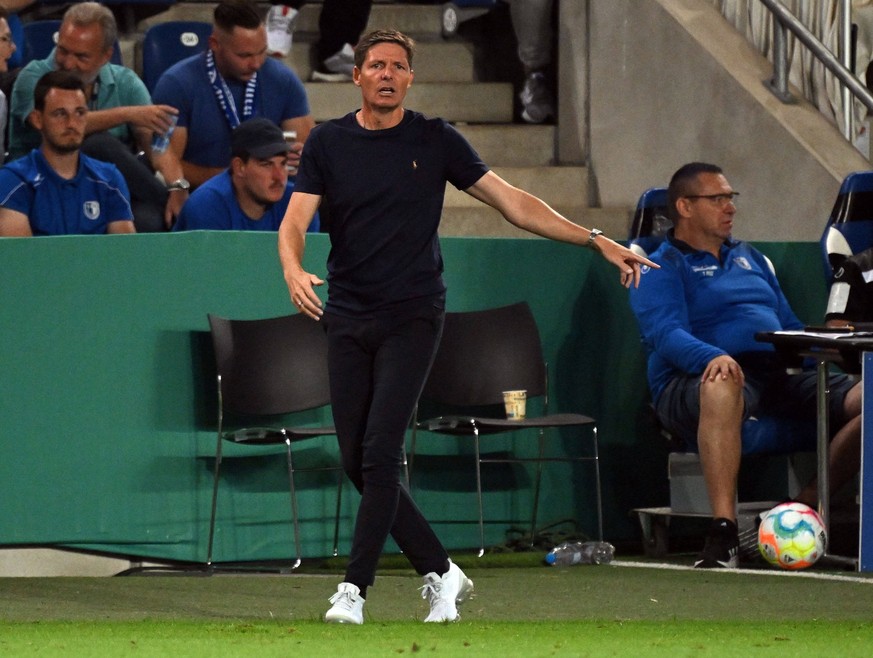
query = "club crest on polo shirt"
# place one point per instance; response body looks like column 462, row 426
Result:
column 91, row 209
column 743, row 262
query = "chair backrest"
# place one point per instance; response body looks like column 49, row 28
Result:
column 483, row 353
column 271, row 366
column 849, row 229
column 650, row 222
column 166, row 43
column 41, row 36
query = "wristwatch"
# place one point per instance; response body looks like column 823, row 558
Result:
column 594, row 233
column 180, row 184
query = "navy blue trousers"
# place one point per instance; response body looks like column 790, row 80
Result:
column 378, row 367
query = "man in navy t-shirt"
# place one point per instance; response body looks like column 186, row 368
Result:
column 381, row 173
column 56, row 189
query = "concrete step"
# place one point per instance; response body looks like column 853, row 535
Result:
column 418, row 21
column 557, row 186
column 483, row 221
column 481, row 102
column 512, row 145
column 435, row 61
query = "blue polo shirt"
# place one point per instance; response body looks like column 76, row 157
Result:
column 213, row 206
column 85, row 204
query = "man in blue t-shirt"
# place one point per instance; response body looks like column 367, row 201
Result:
column 252, row 194
column 57, row 190
column 232, row 81
column 381, row 173
column 698, row 315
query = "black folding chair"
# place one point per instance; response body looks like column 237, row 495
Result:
column 482, row 354
column 268, row 369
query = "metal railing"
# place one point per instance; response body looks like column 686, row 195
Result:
column 783, row 22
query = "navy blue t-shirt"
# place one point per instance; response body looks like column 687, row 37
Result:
column 383, row 190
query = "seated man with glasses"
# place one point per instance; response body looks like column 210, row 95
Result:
column 698, row 315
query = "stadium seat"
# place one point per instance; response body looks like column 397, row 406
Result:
column 456, row 12
column 40, row 37
column 165, row 44
column 650, row 222
column 849, row 229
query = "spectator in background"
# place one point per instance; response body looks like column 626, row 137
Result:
column 15, row 26
column 233, row 80
column 121, row 120
column 7, row 49
column 252, row 194
column 56, row 189
column 340, row 25
column 535, row 33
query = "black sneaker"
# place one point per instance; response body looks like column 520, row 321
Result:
column 722, row 547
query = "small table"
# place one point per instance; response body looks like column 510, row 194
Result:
column 845, row 349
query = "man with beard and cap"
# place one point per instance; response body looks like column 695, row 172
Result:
column 251, row 194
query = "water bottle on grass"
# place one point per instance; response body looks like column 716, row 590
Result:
column 580, row 552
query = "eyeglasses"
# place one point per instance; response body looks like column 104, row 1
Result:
column 720, row 200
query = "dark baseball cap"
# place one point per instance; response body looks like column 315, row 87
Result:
column 257, row 138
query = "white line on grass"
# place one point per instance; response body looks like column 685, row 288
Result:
column 753, row 572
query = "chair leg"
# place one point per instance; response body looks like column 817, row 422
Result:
column 293, row 502
column 336, row 523
column 479, row 492
column 537, row 482
column 215, row 473
column 597, row 484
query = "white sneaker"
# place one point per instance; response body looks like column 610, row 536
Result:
column 348, row 605
column 445, row 593
column 336, row 68
column 280, row 20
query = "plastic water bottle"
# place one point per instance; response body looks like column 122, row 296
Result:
column 580, row 552
column 160, row 141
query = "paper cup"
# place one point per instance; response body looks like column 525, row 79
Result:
column 514, row 401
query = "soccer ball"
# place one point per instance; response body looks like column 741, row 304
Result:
column 792, row 536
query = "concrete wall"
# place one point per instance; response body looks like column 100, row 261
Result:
column 671, row 81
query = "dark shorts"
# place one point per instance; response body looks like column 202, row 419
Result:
column 779, row 413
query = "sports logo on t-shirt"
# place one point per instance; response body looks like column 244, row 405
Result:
column 743, row 262
column 91, row 209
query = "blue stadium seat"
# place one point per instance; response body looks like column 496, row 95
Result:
column 40, row 37
column 650, row 222
column 166, row 43
column 456, row 12
column 849, row 229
